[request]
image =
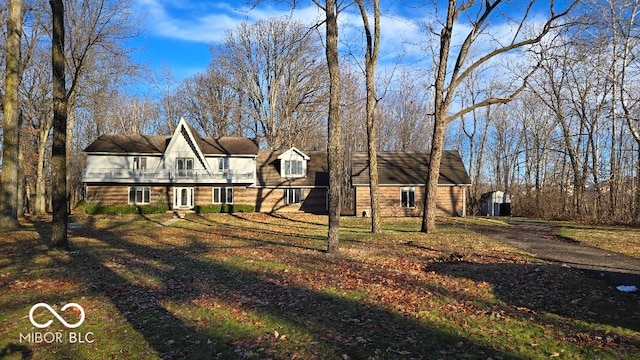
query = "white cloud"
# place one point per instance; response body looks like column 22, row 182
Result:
column 206, row 22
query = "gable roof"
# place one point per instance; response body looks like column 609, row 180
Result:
column 408, row 168
column 268, row 170
column 118, row 143
column 287, row 154
column 149, row 144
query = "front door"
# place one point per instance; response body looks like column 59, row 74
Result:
column 183, row 198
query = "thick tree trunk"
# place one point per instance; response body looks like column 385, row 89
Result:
column 10, row 146
column 58, row 153
column 431, row 188
column 334, row 149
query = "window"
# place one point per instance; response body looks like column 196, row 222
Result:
column 139, row 163
column 293, row 168
column 223, row 164
column 222, row 195
column 408, row 197
column 293, row 196
column 139, row 195
column 184, row 167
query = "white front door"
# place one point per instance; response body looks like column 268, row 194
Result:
column 183, row 198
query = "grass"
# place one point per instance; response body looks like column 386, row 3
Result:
column 255, row 286
column 615, row 239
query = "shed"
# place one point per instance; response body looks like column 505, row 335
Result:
column 495, row 203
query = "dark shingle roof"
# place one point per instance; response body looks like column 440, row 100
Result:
column 268, row 170
column 146, row 144
column 409, row 168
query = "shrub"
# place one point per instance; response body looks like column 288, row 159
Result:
column 224, row 208
column 153, row 209
column 111, row 209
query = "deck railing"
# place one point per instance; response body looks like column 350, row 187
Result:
column 166, row 176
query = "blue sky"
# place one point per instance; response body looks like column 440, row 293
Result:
column 178, row 34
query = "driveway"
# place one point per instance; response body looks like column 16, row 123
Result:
column 540, row 240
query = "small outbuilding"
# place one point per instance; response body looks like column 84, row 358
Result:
column 495, row 203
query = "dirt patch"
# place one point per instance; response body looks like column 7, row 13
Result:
column 541, row 241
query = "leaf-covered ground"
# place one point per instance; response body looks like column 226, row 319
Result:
column 255, row 286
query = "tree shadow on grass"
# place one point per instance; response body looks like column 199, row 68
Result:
column 256, row 235
column 177, row 301
column 551, row 289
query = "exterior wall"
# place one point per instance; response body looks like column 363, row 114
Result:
column 180, row 148
column 450, row 201
column 272, row 200
column 117, row 194
column 264, row 200
column 237, row 165
column 97, row 163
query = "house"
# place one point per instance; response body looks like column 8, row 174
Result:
column 185, row 170
column 402, row 178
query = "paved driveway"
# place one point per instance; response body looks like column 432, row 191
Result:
column 540, row 240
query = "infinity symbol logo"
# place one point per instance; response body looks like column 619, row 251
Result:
column 46, row 306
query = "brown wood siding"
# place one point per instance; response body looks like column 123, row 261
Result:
column 202, row 195
column 449, row 202
column 119, row 194
column 272, row 200
column 264, row 199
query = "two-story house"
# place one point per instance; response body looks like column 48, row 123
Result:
column 185, row 170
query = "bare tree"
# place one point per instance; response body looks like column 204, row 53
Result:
column 275, row 64
column 334, row 149
column 371, row 60
column 448, row 78
column 11, row 109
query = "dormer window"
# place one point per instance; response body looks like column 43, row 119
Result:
column 293, row 163
column 293, row 168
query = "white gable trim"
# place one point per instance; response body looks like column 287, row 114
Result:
column 287, row 154
column 183, row 127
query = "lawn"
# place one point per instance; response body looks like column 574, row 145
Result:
column 256, row 286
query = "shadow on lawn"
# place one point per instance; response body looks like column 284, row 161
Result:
column 551, row 289
column 338, row 327
column 313, row 242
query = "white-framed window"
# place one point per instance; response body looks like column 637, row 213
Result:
column 184, row 166
column 139, row 195
column 293, row 168
column 222, row 195
column 223, row 164
column 408, row 197
column 140, row 163
column 293, row 196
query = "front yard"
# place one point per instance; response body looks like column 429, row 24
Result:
column 257, row 286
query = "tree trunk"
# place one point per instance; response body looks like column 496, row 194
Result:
column 334, row 149
column 58, row 153
column 10, row 145
column 371, row 58
column 40, row 206
column 431, row 188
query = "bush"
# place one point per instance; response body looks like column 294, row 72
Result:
column 100, row 209
column 224, row 208
column 81, row 207
column 153, row 209
column 111, row 209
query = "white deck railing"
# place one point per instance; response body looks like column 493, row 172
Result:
column 166, row 176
